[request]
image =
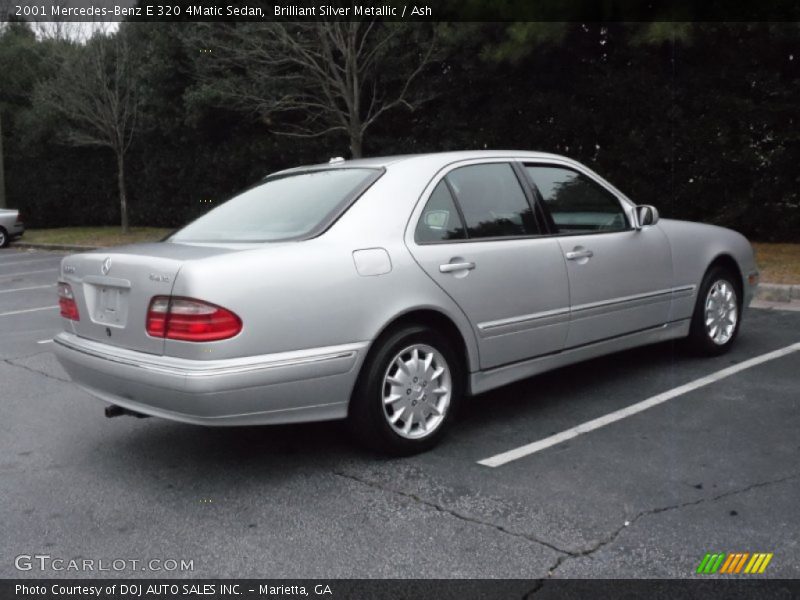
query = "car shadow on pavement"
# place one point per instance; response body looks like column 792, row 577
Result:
column 570, row 385
column 571, row 394
column 209, row 449
column 243, row 444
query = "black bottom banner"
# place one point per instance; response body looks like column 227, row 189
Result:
column 439, row 589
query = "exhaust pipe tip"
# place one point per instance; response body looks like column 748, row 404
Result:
column 113, row 410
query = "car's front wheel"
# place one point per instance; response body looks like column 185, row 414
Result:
column 717, row 314
column 407, row 393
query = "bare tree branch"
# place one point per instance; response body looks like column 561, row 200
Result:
column 95, row 95
column 308, row 79
column 401, row 99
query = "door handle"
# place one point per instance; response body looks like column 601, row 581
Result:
column 462, row 266
column 578, row 254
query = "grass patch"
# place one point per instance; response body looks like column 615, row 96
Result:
column 94, row 236
column 778, row 263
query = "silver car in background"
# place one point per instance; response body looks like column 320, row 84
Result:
column 386, row 290
column 11, row 226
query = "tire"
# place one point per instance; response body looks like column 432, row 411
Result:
column 718, row 304
column 4, row 238
column 419, row 393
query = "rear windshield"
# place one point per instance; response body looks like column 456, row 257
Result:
column 282, row 208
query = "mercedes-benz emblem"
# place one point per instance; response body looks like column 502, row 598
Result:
column 106, row 266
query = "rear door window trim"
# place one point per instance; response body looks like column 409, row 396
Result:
column 526, row 191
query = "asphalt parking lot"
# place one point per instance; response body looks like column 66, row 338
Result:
column 716, row 469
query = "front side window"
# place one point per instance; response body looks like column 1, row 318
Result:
column 575, row 202
column 492, row 201
column 440, row 220
column 283, row 207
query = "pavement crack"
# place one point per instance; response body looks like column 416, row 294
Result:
column 11, row 362
column 453, row 513
column 654, row 511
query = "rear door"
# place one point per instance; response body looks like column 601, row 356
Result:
column 475, row 234
column 620, row 278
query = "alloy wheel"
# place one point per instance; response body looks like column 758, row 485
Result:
column 417, row 388
column 721, row 312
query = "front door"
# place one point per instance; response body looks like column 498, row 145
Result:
column 478, row 239
column 620, row 277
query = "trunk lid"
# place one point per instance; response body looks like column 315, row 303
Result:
column 113, row 289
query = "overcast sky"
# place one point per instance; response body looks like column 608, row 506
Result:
column 74, row 30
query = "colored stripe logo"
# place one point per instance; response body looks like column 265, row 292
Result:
column 734, row 563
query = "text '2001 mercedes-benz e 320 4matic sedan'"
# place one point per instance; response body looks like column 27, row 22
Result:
column 385, row 290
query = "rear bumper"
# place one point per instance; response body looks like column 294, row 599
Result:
column 17, row 229
column 308, row 385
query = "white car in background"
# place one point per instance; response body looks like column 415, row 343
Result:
column 11, row 226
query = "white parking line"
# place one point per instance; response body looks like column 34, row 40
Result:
column 25, row 289
column 506, row 457
column 12, row 275
column 27, row 310
column 45, row 342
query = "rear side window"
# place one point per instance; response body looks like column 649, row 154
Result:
column 440, row 220
column 575, row 202
column 492, row 201
column 286, row 207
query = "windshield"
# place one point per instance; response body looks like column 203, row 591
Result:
column 282, row 208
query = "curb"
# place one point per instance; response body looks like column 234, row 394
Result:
column 774, row 292
column 69, row 247
column 765, row 304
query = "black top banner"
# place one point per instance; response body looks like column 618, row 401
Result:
column 391, row 10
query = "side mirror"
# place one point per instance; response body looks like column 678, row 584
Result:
column 646, row 215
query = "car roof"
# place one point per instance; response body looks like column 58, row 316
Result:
column 434, row 160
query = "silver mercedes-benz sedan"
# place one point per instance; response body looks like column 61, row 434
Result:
column 386, row 290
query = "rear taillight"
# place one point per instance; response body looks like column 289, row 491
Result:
column 66, row 302
column 157, row 316
column 190, row 320
column 19, row 217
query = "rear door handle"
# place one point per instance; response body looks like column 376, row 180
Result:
column 578, row 254
column 462, row 266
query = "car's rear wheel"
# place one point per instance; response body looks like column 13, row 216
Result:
column 4, row 239
column 406, row 396
column 717, row 314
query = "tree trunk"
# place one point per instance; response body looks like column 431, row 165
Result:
column 355, row 145
column 123, row 197
column 2, row 173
